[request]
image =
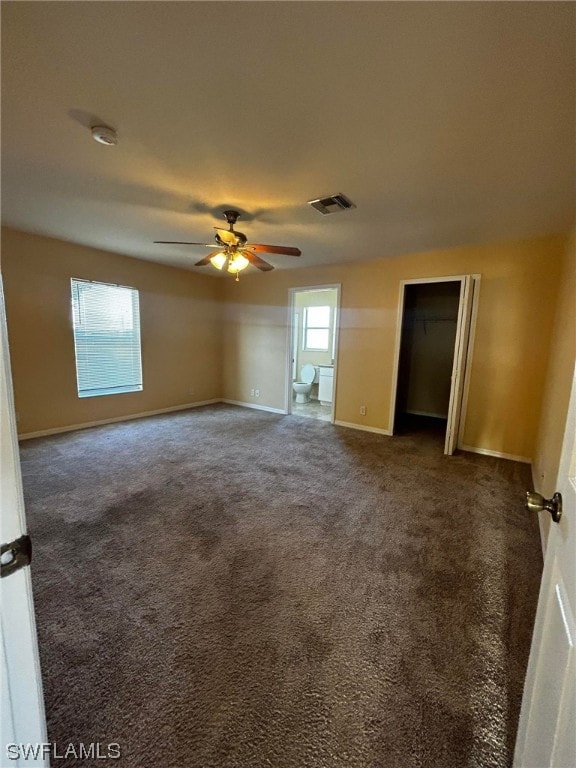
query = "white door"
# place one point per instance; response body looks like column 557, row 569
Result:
column 547, row 727
column 458, row 367
column 22, row 718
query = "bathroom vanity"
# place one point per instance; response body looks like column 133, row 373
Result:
column 326, row 384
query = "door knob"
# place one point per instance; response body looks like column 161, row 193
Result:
column 535, row 502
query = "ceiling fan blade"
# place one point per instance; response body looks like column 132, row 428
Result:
column 206, row 260
column 183, row 242
column 257, row 262
column 227, row 237
column 283, row 249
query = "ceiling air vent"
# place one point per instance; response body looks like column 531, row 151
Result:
column 332, row 204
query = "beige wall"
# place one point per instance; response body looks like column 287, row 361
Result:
column 180, row 330
column 219, row 338
column 560, row 371
column 512, row 337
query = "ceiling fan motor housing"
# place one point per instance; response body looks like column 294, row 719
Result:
column 231, row 217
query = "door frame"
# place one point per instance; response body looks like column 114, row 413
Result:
column 466, row 359
column 291, row 339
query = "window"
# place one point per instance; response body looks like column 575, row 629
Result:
column 106, row 321
column 316, row 329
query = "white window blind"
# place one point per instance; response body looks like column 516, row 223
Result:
column 317, row 328
column 106, row 322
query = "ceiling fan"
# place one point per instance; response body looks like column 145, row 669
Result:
column 234, row 251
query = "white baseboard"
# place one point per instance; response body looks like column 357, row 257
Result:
column 362, row 428
column 496, row 454
column 255, row 406
column 128, row 417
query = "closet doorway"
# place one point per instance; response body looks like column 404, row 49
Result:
column 434, row 349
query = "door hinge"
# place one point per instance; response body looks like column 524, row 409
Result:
column 15, row 555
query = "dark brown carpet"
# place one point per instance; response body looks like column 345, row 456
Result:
column 232, row 588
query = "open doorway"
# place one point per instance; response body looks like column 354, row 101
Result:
column 433, row 352
column 312, row 359
column 426, row 357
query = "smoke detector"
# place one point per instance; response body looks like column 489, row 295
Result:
column 105, row 135
column 332, row 204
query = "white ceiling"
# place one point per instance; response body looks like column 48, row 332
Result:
column 446, row 123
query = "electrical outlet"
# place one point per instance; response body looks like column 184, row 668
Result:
column 190, row 391
column 252, row 392
column 257, row 392
column 362, row 410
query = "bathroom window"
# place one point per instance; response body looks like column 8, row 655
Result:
column 316, row 329
column 106, row 320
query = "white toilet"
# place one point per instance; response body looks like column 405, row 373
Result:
column 303, row 387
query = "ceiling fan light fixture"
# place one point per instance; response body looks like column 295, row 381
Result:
column 218, row 260
column 238, row 263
